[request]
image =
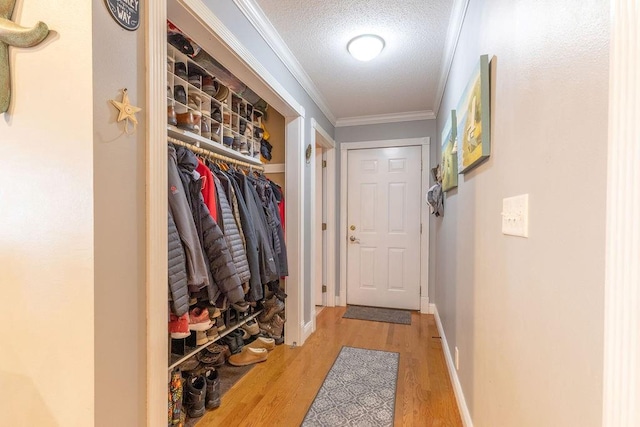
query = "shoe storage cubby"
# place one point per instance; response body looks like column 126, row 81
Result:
column 207, row 112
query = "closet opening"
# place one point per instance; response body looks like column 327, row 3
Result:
column 208, row 32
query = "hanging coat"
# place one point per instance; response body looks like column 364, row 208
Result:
column 197, row 276
column 215, row 247
column 178, row 292
column 232, row 234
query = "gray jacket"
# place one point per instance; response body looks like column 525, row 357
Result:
column 256, row 291
column 227, row 222
column 178, row 292
column 267, row 262
column 197, row 276
column 214, row 245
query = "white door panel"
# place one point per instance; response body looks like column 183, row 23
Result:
column 383, row 216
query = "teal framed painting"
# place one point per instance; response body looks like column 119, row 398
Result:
column 449, row 154
column 473, row 117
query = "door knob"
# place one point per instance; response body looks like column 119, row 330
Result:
column 354, row 240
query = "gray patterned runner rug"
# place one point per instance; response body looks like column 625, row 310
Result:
column 359, row 390
column 377, row 314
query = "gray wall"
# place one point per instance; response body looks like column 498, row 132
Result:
column 381, row 132
column 232, row 17
column 527, row 314
column 119, row 215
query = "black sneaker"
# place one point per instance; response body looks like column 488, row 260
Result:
column 212, row 399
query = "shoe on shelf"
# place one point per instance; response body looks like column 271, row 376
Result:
column 272, row 306
column 194, row 79
column 212, row 333
column 195, row 391
column 171, row 115
column 244, row 147
column 248, row 356
column 201, row 338
column 242, row 306
column 220, row 324
column 194, row 101
column 214, row 312
column 205, row 129
column 179, row 326
column 209, row 86
column 180, row 95
column 180, row 70
column 215, row 115
column 191, row 366
column 211, row 358
column 251, row 327
column 212, row 399
column 205, row 107
column 262, row 342
column 273, row 328
column 199, row 319
column 185, row 120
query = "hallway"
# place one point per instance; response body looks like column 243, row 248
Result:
column 279, row 391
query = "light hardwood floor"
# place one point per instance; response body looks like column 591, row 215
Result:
column 279, row 391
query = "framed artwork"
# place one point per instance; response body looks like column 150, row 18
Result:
column 474, row 127
column 449, row 154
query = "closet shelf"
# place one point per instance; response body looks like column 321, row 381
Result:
column 177, row 360
column 202, row 142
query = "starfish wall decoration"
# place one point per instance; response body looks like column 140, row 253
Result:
column 127, row 112
column 12, row 34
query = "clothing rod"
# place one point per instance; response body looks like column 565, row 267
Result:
column 211, row 154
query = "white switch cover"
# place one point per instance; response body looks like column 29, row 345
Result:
column 515, row 215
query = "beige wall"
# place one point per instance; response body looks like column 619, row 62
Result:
column 275, row 125
column 527, row 314
column 119, row 202
column 46, row 224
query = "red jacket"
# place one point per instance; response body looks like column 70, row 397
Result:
column 208, row 189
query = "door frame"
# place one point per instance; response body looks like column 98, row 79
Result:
column 207, row 28
column 319, row 136
column 345, row 147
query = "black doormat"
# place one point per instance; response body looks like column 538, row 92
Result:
column 229, row 375
column 377, row 314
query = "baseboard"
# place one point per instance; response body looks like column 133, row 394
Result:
column 424, row 305
column 307, row 330
column 432, row 308
column 453, row 374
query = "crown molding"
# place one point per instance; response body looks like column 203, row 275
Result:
column 385, row 118
column 458, row 13
column 265, row 28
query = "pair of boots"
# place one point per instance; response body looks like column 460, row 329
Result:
column 202, row 392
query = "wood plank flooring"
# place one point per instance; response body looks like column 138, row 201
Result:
column 279, row 391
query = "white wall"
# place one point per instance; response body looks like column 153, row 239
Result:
column 46, row 224
column 119, row 205
column 527, row 314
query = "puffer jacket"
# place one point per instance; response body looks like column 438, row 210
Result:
column 197, row 275
column 267, row 263
column 177, row 271
column 232, row 234
column 215, row 247
column 256, row 291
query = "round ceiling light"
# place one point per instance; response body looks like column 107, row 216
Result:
column 365, row 47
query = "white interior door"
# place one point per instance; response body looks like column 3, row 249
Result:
column 383, row 220
column 319, row 233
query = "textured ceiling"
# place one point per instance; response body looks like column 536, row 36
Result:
column 403, row 78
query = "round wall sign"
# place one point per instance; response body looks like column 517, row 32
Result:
column 125, row 12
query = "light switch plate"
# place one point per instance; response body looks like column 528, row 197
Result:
column 515, row 216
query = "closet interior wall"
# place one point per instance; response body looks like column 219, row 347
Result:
column 274, row 123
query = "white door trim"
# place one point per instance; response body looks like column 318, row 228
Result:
column 621, row 390
column 205, row 27
column 424, row 212
column 156, row 206
column 328, row 144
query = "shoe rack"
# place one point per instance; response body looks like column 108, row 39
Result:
column 208, row 114
column 185, row 348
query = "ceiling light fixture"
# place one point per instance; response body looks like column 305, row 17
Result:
column 365, row 47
